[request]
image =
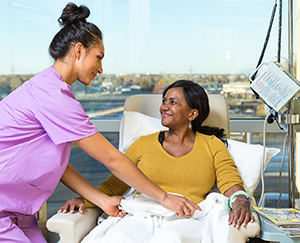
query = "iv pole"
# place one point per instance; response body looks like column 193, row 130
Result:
column 291, row 153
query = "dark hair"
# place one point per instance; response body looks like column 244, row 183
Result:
column 75, row 29
column 197, row 98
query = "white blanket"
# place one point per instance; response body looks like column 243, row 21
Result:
column 148, row 221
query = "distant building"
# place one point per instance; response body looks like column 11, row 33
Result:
column 107, row 83
column 237, row 88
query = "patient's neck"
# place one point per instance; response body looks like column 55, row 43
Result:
column 178, row 144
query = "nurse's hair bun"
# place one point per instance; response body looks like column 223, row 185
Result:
column 72, row 13
column 75, row 29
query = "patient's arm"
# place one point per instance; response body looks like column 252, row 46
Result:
column 240, row 214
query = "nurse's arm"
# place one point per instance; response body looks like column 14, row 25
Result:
column 122, row 167
column 76, row 182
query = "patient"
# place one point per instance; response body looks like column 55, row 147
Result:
column 187, row 159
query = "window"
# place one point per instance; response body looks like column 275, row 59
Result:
column 149, row 44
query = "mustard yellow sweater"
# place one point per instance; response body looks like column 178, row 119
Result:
column 191, row 175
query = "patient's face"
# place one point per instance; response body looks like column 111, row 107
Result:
column 174, row 109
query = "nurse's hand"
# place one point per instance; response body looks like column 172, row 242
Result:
column 181, row 205
column 71, row 205
column 111, row 207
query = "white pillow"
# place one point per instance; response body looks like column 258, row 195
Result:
column 247, row 157
column 134, row 125
column 249, row 160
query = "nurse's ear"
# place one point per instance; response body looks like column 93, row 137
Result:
column 78, row 50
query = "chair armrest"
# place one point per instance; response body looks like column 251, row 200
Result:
column 72, row 228
column 242, row 234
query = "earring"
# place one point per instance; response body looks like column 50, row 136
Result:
column 190, row 125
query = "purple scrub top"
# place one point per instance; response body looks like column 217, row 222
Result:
column 38, row 122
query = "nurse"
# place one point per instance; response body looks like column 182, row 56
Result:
column 38, row 123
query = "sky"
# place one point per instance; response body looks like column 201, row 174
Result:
column 148, row 36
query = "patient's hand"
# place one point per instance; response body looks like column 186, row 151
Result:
column 71, row 205
column 240, row 215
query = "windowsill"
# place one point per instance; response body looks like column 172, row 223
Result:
column 236, row 125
